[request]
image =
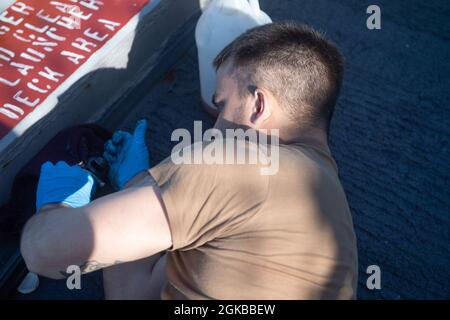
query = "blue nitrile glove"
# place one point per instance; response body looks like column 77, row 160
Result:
column 61, row 183
column 127, row 155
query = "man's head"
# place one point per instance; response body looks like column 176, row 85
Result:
column 280, row 75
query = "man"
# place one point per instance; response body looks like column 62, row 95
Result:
column 229, row 231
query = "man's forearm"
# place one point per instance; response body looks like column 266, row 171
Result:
column 49, row 247
column 48, row 253
column 59, row 236
column 50, row 243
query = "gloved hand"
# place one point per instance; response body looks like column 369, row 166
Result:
column 61, row 183
column 127, row 155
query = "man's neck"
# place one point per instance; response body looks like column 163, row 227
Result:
column 309, row 136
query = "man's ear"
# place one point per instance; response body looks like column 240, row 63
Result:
column 261, row 107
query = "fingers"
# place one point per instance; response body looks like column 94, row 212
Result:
column 46, row 166
column 62, row 165
column 108, row 157
column 119, row 143
column 119, row 137
column 140, row 132
column 114, row 145
column 111, row 148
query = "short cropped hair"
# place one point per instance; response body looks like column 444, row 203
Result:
column 297, row 64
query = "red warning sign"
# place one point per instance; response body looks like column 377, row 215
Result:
column 43, row 42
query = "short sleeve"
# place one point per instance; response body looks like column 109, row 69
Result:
column 204, row 202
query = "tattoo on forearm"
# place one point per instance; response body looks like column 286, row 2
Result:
column 91, row 266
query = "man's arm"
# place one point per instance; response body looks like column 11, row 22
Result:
column 122, row 227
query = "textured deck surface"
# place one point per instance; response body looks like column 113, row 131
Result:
column 390, row 136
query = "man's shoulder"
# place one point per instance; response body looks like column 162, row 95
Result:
column 310, row 172
column 311, row 158
column 222, row 159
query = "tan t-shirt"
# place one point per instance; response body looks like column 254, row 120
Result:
column 238, row 234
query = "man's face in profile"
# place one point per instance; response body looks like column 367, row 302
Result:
column 234, row 110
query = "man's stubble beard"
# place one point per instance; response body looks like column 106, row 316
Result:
column 239, row 118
